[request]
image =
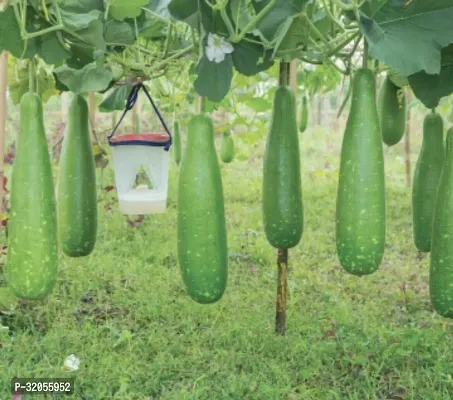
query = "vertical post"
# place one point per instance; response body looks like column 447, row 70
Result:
column 407, row 140
column 64, row 100
column 282, row 254
column 92, row 111
column 3, row 83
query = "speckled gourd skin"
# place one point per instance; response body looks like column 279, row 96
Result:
column 283, row 214
column 32, row 260
column 176, row 145
column 392, row 113
column 303, row 123
column 76, row 191
column 360, row 225
column 426, row 180
column 202, row 237
column 227, row 148
column 441, row 262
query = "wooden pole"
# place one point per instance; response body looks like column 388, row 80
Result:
column 407, row 140
column 64, row 100
column 3, row 85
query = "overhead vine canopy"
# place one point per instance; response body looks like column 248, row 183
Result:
column 96, row 45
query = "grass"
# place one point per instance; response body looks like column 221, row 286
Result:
column 123, row 310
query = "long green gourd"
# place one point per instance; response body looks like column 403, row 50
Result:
column 283, row 214
column 392, row 112
column 202, row 238
column 426, row 180
column 360, row 227
column 76, row 191
column 32, row 260
column 227, row 148
column 441, row 261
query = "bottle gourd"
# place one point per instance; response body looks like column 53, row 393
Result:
column 202, row 238
column 441, row 261
column 303, row 123
column 360, row 225
column 392, row 112
column 282, row 191
column 32, row 259
column 426, row 180
column 76, row 191
column 227, row 148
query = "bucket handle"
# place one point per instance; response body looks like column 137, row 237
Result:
column 131, row 100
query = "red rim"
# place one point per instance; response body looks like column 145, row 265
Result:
column 143, row 137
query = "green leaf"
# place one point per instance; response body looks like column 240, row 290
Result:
column 51, row 50
column 10, row 37
column 90, row 78
column 78, row 21
column 93, row 35
column 410, row 39
column 258, row 104
column 118, row 33
column 214, row 79
column 184, row 10
column 82, row 6
column 240, row 13
column 115, row 99
column 429, row 89
column 122, row 9
column 277, row 21
column 250, row 58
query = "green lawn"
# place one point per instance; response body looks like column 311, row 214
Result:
column 123, row 310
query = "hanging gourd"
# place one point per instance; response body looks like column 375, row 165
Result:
column 303, row 122
column 202, row 238
column 227, row 148
column 133, row 152
column 76, row 191
column 32, row 260
column 360, row 225
column 426, row 180
column 441, row 263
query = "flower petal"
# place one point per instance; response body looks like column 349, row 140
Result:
column 219, row 55
column 210, row 53
column 227, row 48
column 211, row 40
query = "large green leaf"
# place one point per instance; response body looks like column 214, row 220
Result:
column 122, row 9
column 250, row 58
column 78, row 21
column 116, row 32
column 115, row 99
column 82, row 6
column 51, row 50
column 91, row 78
column 185, row 10
column 93, row 35
column 214, row 79
column 409, row 39
column 429, row 89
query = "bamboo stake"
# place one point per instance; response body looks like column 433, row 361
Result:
column 407, row 141
column 3, row 84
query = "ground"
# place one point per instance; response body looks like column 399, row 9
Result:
column 123, row 310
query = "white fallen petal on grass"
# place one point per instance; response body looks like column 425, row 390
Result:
column 72, row 363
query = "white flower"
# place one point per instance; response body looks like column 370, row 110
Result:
column 72, row 363
column 217, row 48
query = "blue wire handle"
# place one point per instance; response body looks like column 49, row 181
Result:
column 131, row 100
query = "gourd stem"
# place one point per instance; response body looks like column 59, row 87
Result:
column 31, row 76
column 365, row 53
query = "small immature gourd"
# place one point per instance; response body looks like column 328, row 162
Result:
column 441, row 262
column 227, row 148
column 426, row 180
column 202, row 238
column 392, row 112
column 360, row 227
